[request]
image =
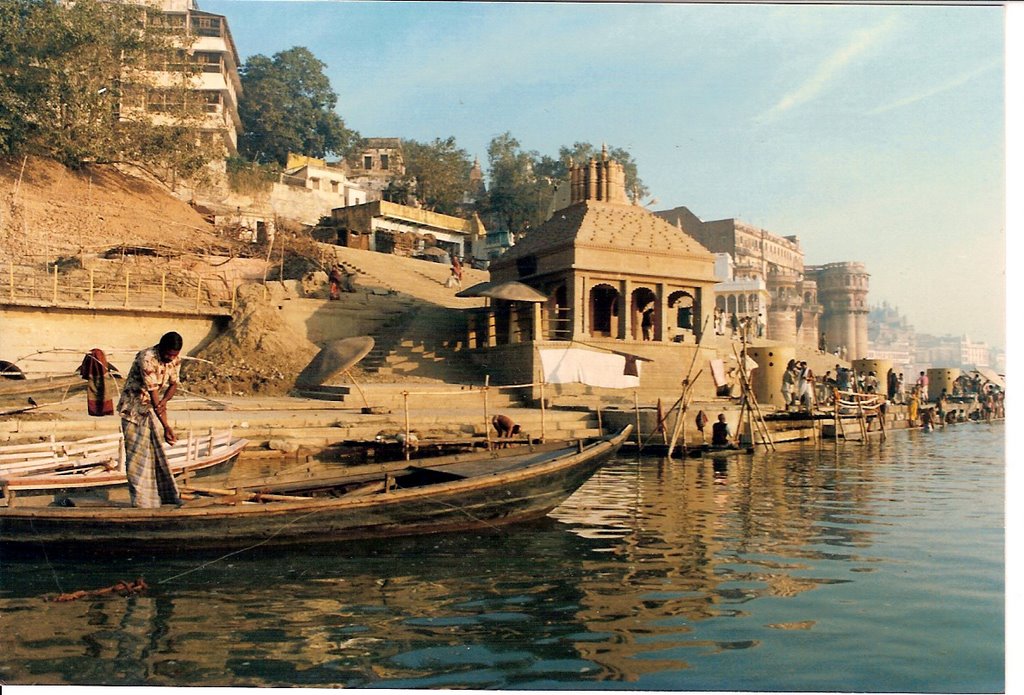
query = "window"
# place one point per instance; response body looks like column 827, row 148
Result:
column 165, row 101
column 527, row 265
column 367, row 162
column 166, row 22
column 206, row 26
column 384, row 162
column 208, row 62
column 213, row 101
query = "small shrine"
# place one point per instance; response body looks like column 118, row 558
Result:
column 607, row 274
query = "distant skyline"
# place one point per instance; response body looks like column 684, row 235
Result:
column 873, row 133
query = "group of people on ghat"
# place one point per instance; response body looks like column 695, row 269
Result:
column 801, row 389
column 798, row 386
column 745, row 327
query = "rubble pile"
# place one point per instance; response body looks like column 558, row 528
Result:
column 257, row 354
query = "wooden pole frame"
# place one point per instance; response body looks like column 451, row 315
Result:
column 487, row 415
column 636, row 408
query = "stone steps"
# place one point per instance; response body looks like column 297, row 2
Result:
column 320, row 428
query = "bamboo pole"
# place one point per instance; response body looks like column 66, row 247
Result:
column 163, row 288
column 266, row 265
column 487, row 419
column 127, row 282
column 405, row 444
column 862, row 421
column 636, row 407
column 92, row 287
column 835, row 418
column 17, row 186
column 678, row 424
column 543, row 424
column 660, row 427
column 55, row 282
column 366, row 403
column 600, row 425
column 199, row 291
column 11, row 277
column 675, row 405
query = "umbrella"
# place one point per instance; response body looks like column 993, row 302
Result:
column 336, row 357
column 475, row 290
column 513, row 291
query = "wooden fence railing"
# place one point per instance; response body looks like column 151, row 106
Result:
column 125, row 288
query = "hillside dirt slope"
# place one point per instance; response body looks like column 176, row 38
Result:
column 48, row 210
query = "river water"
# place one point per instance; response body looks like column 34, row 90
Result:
column 875, row 568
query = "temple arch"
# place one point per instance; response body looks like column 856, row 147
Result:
column 644, row 311
column 604, row 310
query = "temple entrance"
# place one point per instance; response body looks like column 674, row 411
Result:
column 604, row 310
column 682, row 303
column 646, row 315
column 559, row 315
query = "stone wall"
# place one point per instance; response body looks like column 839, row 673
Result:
column 45, row 341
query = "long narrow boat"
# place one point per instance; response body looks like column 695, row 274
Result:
column 455, row 493
column 99, row 461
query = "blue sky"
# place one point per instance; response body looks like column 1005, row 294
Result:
column 873, row 133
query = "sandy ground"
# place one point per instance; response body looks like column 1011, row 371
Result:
column 48, row 211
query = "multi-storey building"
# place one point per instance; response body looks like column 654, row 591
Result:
column 778, row 262
column 891, row 337
column 843, row 293
column 375, row 166
column 951, row 351
column 205, row 40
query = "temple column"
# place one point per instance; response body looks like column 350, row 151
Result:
column 697, row 313
column 492, row 329
column 625, row 310
column 471, row 332
column 661, row 327
column 581, row 306
column 514, row 336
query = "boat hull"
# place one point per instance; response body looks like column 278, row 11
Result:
column 511, row 495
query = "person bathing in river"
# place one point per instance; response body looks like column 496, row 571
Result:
column 151, row 382
column 720, row 434
column 505, row 427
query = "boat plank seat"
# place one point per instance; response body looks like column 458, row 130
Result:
column 470, row 469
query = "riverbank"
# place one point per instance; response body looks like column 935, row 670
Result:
column 435, row 413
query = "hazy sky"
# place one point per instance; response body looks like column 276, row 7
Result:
column 873, row 133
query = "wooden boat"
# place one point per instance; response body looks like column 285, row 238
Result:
column 454, row 493
column 100, row 461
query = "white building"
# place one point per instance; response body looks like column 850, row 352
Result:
column 746, row 296
column 206, row 41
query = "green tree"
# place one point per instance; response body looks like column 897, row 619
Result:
column 287, row 105
column 76, row 84
column 517, row 197
column 441, row 173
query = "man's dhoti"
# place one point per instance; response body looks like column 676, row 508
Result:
column 150, row 482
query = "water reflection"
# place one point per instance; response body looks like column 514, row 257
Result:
column 750, row 572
